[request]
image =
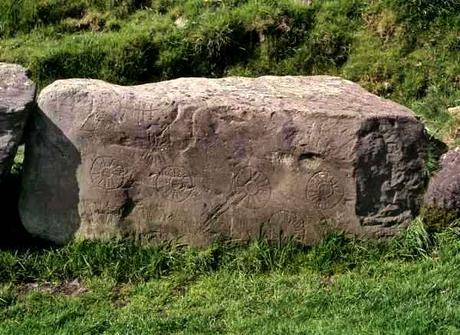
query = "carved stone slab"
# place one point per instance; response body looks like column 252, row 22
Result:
column 17, row 93
column 194, row 160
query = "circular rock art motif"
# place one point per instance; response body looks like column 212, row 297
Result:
column 324, row 190
column 107, row 173
column 254, row 186
column 283, row 224
column 175, row 184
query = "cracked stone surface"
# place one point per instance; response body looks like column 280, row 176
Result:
column 444, row 188
column 17, row 93
column 193, row 160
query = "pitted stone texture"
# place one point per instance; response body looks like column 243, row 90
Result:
column 194, row 160
column 17, row 93
column 444, row 188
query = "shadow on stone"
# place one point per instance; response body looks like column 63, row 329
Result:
column 49, row 186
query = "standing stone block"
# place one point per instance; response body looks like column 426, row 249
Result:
column 194, row 160
column 17, row 93
column 444, row 188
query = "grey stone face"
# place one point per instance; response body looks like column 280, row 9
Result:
column 17, row 93
column 444, row 189
column 194, row 160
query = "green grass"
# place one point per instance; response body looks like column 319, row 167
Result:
column 405, row 285
column 404, row 50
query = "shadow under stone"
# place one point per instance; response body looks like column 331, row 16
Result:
column 13, row 235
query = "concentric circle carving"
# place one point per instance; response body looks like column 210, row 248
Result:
column 254, row 186
column 283, row 224
column 108, row 173
column 324, row 190
column 175, row 184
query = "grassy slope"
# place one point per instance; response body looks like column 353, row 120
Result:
column 404, row 50
column 404, row 286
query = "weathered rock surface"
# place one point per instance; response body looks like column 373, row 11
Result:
column 17, row 93
column 444, row 188
column 193, row 160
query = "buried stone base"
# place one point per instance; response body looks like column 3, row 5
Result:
column 195, row 160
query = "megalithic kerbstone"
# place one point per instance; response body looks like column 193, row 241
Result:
column 444, row 189
column 194, row 160
column 17, row 94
